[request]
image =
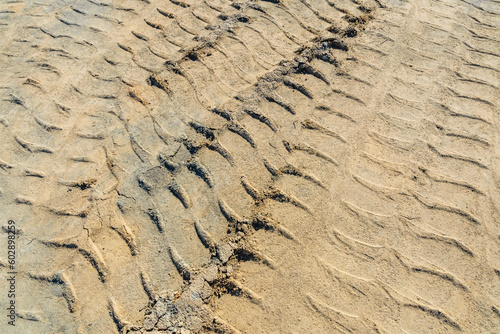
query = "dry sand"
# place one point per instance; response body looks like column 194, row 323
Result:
column 287, row 166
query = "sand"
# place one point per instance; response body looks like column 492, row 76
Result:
column 287, row 166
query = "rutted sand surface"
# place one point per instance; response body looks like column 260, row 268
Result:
column 291, row 166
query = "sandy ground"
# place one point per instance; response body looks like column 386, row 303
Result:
column 287, row 166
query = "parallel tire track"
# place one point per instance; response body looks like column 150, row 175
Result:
column 193, row 166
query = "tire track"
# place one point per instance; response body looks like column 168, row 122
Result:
column 180, row 138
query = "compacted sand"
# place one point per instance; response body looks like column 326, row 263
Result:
column 286, row 166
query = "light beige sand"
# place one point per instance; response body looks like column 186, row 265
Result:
column 288, row 166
